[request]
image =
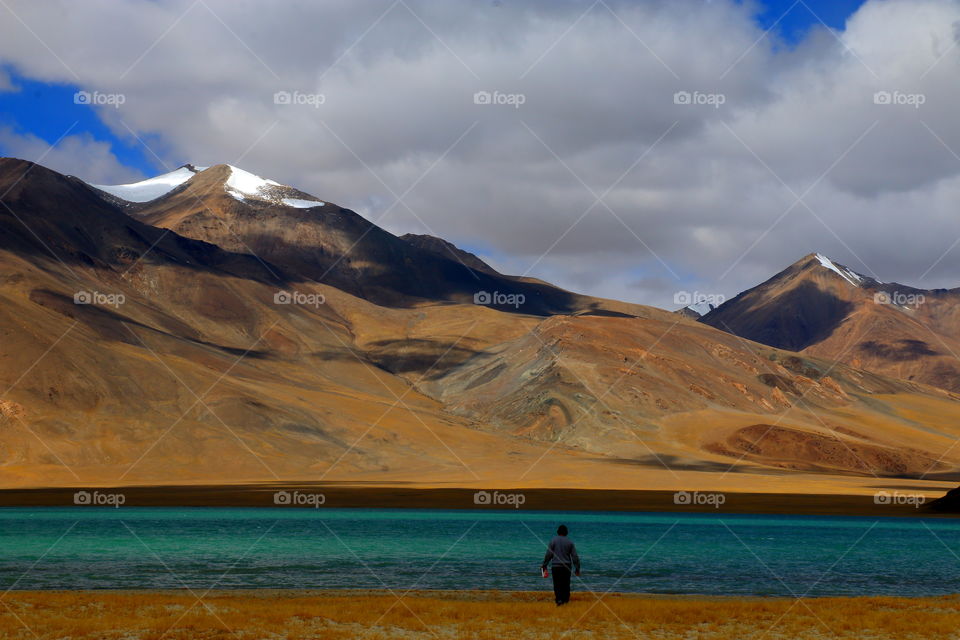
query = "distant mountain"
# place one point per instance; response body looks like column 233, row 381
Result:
column 317, row 241
column 820, row 307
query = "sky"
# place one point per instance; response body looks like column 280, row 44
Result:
column 639, row 150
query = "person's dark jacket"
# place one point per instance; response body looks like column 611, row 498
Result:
column 563, row 552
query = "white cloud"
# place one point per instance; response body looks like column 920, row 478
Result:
column 80, row 155
column 708, row 195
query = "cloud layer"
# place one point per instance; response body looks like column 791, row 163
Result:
column 659, row 146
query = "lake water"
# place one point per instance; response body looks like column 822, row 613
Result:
column 203, row 548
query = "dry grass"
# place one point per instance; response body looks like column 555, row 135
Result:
column 455, row 615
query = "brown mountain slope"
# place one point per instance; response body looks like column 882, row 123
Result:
column 655, row 389
column 200, row 373
column 887, row 328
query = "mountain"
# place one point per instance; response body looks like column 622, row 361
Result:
column 315, row 241
column 820, row 307
column 134, row 354
column 131, row 354
column 59, row 217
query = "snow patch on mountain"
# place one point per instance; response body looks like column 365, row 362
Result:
column 853, row 278
column 247, row 183
column 152, row 188
column 302, row 204
column 243, row 185
column 700, row 308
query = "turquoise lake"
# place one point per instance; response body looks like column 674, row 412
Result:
column 667, row 553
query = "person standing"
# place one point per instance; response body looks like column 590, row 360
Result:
column 563, row 553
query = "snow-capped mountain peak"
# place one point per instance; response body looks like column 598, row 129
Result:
column 243, row 185
column 239, row 184
column 852, row 277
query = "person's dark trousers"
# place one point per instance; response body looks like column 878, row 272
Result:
column 561, row 584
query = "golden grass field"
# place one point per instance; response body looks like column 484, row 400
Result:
column 474, row 615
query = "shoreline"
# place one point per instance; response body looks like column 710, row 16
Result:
column 336, row 495
column 467, row 595
column 484, row 595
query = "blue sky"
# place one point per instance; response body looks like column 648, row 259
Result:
column 796, row 18
column 46, row 110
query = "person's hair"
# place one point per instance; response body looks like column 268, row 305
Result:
column 562, row 530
